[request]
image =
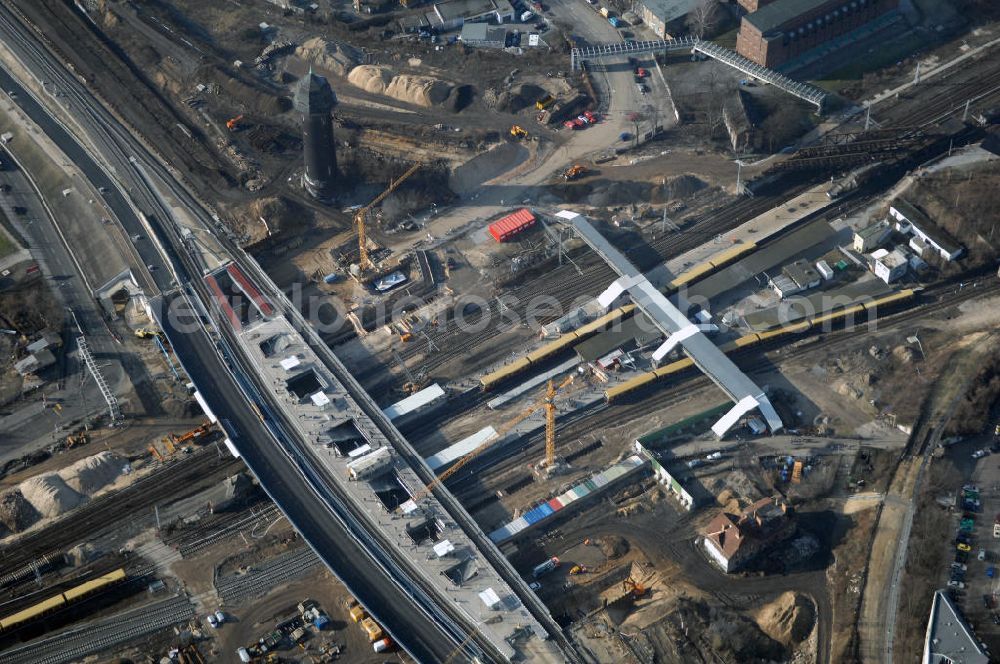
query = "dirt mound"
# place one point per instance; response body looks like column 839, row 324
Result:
column 419, row 90
column 371, row 79
column 328, row 55
column 613, row 546
column 788, row 620
column 16, row 513
column 91, row 474
column 50, row 495
column 614, row 192
column 521, row 97
column 683, row 186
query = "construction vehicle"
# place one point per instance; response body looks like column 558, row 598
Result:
column 156, row 453
column 355, row 610
column 232, row 124
column 578, row 569
column 545, row 102
column 372, row 629
column 144, row 333
column 550, row 437
column 574, row 172
column 364, row 260
column 517, row 131
column 634, row 588
column 199, row 431
column 413, row 383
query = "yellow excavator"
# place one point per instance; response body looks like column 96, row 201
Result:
column 517, row 131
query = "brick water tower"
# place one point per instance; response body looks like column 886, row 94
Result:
column 314, row 99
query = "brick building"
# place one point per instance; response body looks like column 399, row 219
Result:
column 785, row 29
column 733, row 540
column 751, row 6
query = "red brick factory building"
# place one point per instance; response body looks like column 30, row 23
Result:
column 782, row 30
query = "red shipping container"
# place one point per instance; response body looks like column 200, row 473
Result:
column 511, row 225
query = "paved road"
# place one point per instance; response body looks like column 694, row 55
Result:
column 28, row 426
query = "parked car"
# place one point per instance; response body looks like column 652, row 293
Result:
column 996, row 530
column 981, row 555
column 996, row 618
column 979, row 454
column 962, row 546
column 959, row 566
column 961, row 557
column 991, row 571
column 956, row 584
column 535, row 585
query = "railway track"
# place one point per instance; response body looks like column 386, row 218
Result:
column 104, row 513
column 100, row 635
column 565, row 285
column 468, row 483
column 257, row 582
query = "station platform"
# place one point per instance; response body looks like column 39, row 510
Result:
column 756, row 231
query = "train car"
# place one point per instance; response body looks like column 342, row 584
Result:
column 58, row 601
column 34, row 611
column 819, row 321
column 889, row 300
column 94, row 585
column 795, row 328
column 613, row 393
column 688, row 276
column 553, row 347
column 598, row 324
column 491, row 379
column 739, row 344
column 673, row 368
column 729, row 255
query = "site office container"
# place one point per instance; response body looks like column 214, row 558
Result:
column 504, row 229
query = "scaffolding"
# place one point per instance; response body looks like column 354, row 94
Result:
column 114, row 411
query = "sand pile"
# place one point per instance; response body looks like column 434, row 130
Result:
column 419, row 90
column 788, row 619
column 371, row 79
column 50, row 495
column 16, row 513
column 90, row 475
column 331, row 56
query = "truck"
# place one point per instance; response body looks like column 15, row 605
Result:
column 526, row 16
column 545, row 568
column 373, row 629
column 604, row 12
column 382, row 645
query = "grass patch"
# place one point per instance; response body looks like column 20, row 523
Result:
column 885, row 55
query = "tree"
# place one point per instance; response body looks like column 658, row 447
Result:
column 703, row 17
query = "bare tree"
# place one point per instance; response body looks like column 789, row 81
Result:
column 703, row 17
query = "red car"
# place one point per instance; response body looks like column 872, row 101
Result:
column 641, row 73
column 569, row 124
column 592, row 118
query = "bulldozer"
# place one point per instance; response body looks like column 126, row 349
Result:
column 574, row 172
column 517, row 131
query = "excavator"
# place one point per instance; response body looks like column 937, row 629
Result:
column 547, row 401
column 197, row 432
column 517, row 131
column 634, row 588
column 574, row 172
column 232, row 124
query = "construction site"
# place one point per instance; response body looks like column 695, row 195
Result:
column 574, row 332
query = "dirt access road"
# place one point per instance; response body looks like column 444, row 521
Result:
column 620, row 96
column 877, row 622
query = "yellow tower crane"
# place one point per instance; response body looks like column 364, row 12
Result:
column 550, row 420
column 359, row 218
column 550, row 436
